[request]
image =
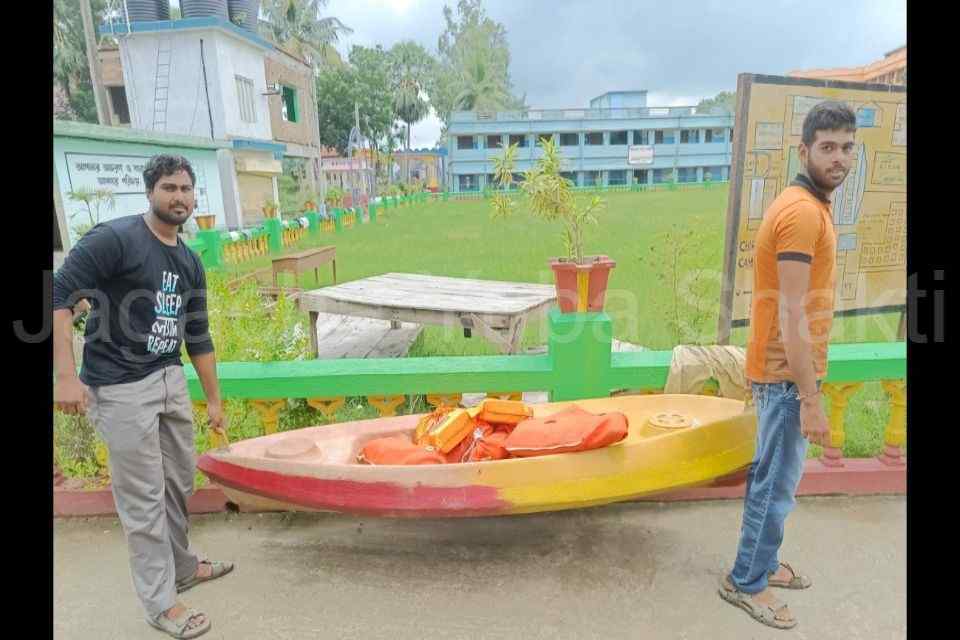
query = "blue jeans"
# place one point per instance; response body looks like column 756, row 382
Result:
column 771, row 484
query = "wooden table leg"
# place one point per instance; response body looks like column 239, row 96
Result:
column 313, row 334
column 334, row 271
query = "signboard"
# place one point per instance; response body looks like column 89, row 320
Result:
column 640, row 154
column 121, row 174
column 869, row 208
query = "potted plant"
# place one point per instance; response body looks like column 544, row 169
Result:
column 205, row 220
column 270, row 208
column 581, row 280
column 310, row 204
column 334, row 197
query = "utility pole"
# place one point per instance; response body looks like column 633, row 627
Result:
column 96, row 78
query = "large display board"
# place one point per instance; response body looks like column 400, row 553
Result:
column 869, row 208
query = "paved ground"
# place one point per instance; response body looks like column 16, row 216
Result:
column 621, row 571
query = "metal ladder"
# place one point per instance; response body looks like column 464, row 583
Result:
column 162, row 85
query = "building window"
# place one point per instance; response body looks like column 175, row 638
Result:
column 465, row 142
column 593, row 139
column 618, row 137
column 118, row 101
column 640, row 176
column 468, row 183
column 569, row 140
column 248, row 109
column 591, row 178
column 543, row 136
column 689, row 136
column 570, row 175
column 617, row 177
column 662, row 175
column 519, row 140
column 641, row 137
column 518, row 178
column 494, row 142
column 663, row 137
column 713, row 174
column 288, row 105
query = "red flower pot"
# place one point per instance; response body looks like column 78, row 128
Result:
column 597, row 272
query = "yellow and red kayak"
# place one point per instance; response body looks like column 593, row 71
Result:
column 674, row 441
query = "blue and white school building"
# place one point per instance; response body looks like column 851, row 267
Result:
column 618, row 140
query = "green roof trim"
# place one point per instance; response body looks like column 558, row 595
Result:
column 70, row 129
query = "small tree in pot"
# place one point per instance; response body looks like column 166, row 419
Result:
column 581, row 280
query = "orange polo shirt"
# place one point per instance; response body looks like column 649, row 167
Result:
column 797, row 226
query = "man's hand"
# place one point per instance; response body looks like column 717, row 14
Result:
column 70, row 395
column 813, row 421
column 218, row 421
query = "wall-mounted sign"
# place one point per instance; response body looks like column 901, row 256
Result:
column 640, row 154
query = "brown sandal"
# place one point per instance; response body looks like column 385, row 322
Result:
column 796, row 581
column 767, row 614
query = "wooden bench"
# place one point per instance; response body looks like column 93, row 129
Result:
column 306, row 260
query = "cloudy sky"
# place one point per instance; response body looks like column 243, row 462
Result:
column 564, row 52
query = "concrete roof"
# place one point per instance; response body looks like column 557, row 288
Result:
column 70, row 129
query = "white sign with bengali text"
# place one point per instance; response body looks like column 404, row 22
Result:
column 640, row 154
column 120, row 174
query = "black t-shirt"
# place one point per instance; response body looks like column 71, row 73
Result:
column 147, row 298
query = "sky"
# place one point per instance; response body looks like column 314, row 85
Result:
column 565, row 52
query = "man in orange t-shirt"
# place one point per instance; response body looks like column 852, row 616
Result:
column 790, row 320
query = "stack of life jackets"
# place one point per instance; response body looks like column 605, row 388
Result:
column 494, row 430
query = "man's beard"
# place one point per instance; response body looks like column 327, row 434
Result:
column 171, row 218
column 821, row 181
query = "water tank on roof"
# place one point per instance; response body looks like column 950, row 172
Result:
column 244, row 13
column 204, row 9
column 143, row 10
column 163, row 9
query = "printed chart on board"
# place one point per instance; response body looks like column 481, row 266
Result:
column 869, row 208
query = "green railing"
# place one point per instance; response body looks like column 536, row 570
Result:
column 218, row 248
column 579, row 364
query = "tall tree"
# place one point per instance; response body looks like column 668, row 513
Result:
column 411, row 67
column 473, row 67
column 363, row 82
column 296, row 25
column 70, row 70
column 725, row 100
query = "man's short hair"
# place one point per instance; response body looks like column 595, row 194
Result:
column 163, row 165
column 828, row 116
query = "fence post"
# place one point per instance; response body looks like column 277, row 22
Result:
column 212, row 257
column 337, row 222
column 313, row 219
column 274, row 235
column 580, row 345
column 372, row 211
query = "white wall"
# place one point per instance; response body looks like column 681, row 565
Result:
column 224, row 56
column 130, row 196
column 237, row 58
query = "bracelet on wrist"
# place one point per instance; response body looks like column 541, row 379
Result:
column 802, row 397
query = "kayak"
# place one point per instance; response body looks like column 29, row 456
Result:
column 673, row 442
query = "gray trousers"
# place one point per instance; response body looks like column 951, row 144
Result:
column 148, row 429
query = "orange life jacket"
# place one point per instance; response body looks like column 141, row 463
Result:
column 571, row 429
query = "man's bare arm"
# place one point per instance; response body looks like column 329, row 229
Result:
column 69, row 394
column 794, row 284
column 206, row 366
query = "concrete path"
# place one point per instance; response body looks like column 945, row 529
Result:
column 637, row 570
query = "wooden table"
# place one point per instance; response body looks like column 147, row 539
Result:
column 496, row 310
column 297, row 263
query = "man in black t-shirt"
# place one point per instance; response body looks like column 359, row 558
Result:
column 147, row 295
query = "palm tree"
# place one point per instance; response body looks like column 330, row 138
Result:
column 297, row 26
column 411, row 66
column 480, row 84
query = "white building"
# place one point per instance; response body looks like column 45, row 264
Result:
column 205, row 77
